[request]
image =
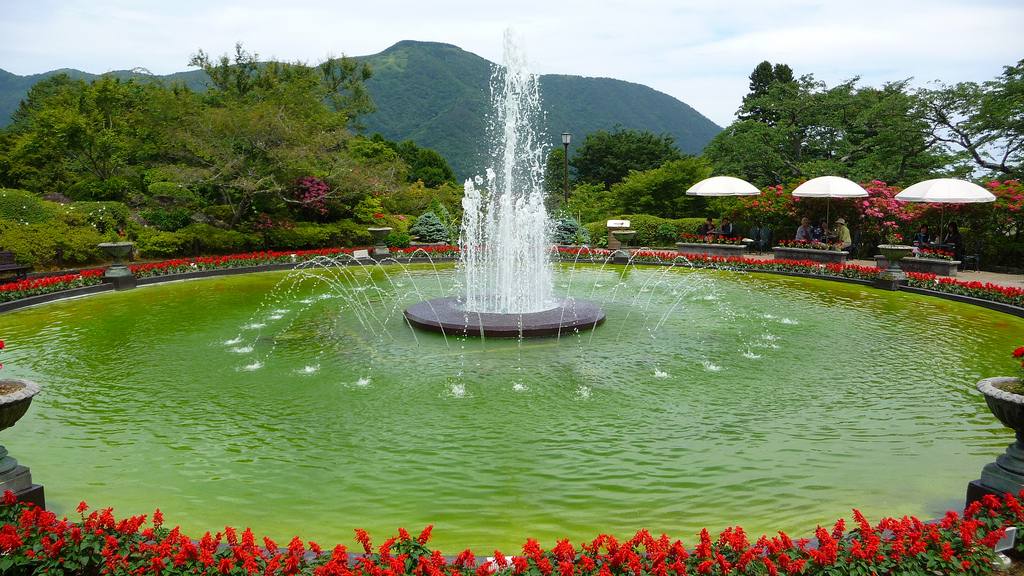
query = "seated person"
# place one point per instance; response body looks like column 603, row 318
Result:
column 819, row 233
column 842, row 234
column 727, row 230
column 707, row 228
column 804, row 232
column 923, row 239
column 953, row 239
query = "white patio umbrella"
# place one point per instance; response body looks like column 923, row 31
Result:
column 829, row 187
column 723, row 186
column 945, row 191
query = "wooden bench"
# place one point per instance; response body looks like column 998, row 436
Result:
column 8, row 264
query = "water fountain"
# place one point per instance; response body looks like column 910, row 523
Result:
column 505, row 242
column 321, row 411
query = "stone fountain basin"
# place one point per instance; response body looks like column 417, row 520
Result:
column 448, row 316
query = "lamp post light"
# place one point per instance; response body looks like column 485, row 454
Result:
column 566, row 137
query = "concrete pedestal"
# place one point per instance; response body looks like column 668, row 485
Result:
column 380, row 252
column 19, row 481
column 890, row 283
column 120, row 282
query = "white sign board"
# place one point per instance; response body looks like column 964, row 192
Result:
column 360, row 254
column 618, row 223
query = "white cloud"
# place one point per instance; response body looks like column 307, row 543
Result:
column 699, row 52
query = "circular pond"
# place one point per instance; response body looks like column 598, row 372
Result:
column 303, row 404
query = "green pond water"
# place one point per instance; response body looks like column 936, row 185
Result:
column 301, row 404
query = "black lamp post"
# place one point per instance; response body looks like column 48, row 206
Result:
column 565, row 142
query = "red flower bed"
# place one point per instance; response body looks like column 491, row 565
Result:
column 35, row 541
column 983, row 290
column 986, row 291
column 47, row 284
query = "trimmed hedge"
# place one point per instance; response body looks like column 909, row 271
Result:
column 646, row 227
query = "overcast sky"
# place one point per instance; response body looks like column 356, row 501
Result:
column 700, row 52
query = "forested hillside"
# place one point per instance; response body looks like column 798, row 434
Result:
column 438, row 96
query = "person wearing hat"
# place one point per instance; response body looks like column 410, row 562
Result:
column 842, row 234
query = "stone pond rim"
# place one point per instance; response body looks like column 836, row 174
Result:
column 443, row 316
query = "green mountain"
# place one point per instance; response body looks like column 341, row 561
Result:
column 438, row 95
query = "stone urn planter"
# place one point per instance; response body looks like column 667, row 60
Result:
column 622, row 255
column 118, row 273
column 1006, row 474
column 380, row 249
column 15, row 397
column 894, row 253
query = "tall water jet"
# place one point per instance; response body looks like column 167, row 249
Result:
column 505, row 242
column 505, row 234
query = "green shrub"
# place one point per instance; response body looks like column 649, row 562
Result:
column 221, row 212
column 666, row 234
column 646, row 227
column 170, row 189
column 568, row 231
column 36, row 244
column 155, row 244
column 24, row 207
column 303, row 236
column 429, row 228
column 213, row 240
column 400, row 240
column 114, row 189
column 348, row 233
column 168, row 221
column 105, row 217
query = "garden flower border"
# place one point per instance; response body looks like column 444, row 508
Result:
column 44, row 289
column 35, row 541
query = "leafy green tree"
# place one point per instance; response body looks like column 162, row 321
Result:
column 554, row 176
column 39, row 92
column 763, row 79
column 662, row 191
column 984, row 122
column 606, row 158
column 261, row 126
column 341, row 80
column 425, row 164
column 800, row 129
column 71, row 130
column 592, row 203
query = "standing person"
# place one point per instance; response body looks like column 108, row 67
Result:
column 707, row 228
column 842, row 234
column 727, row 230
column 953, row 239
column 804, row 232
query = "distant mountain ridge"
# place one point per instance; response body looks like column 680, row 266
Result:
column 439, row 96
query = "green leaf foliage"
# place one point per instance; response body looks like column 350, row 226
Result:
column 399, row 240
column 662, row 191
column 24, row 207
column 168, row 220
column 647, row 228
column 789, row 130
column 606, row 158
